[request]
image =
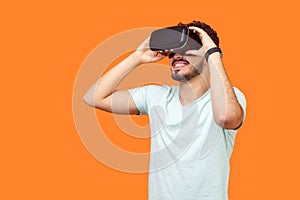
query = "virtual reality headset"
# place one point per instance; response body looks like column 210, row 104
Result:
column 175, row 39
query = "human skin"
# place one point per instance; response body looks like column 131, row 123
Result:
column 209, row 75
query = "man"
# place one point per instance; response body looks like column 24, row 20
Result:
column 193, row 125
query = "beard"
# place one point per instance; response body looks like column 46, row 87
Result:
column 185, row 77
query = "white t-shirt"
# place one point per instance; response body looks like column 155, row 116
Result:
column 189, row 156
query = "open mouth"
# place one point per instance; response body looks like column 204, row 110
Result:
column 179, row 64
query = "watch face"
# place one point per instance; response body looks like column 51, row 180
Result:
column 174, row 39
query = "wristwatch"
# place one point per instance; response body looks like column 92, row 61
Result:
column 212, row 50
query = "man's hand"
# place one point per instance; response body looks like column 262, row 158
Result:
column 104, row 94
column 144, row 54
column 207, row 42
column 227, row 111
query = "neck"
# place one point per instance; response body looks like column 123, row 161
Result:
column 193, row 89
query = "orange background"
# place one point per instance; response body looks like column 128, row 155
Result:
column 43, row 45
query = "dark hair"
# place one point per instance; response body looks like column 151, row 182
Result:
column 211, row 32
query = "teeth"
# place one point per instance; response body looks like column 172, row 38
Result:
column 179, row 65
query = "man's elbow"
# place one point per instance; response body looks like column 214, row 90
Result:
column 88, row 100
column 96, row 103
column 231, row 120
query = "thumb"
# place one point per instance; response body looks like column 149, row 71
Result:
column 159, row 57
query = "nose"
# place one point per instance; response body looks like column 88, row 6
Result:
column 175, row 55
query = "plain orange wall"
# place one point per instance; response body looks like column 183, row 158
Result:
column 43, row 45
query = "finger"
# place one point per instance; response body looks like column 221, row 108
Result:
column 145, row 43
column 196, row 29
column 160, row 56
column 204, row 37
column 193, row 27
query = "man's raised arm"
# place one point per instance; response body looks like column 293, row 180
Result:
column 228, row 113
column 103, row 94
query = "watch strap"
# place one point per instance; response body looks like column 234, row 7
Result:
column 212, row 50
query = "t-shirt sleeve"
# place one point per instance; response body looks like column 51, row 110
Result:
column 241, row 99
column 139, row 96
column 230, row 134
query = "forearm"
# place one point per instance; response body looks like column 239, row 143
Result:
column 226, row 108
column 108, row 83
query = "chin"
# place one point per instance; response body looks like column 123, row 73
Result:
column 177, row 76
